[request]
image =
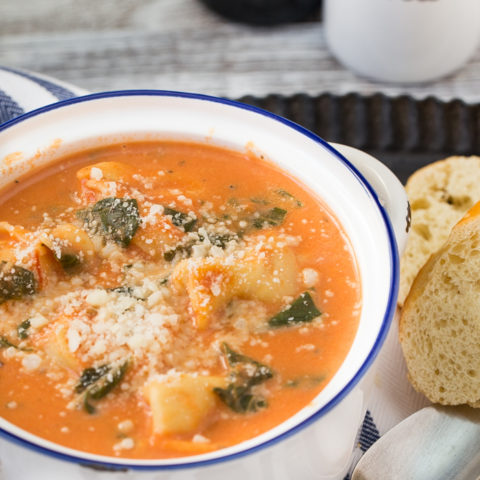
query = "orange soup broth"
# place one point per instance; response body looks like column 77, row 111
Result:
column 312, row 355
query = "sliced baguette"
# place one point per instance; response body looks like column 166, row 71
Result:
column 439, row 326
column 439, row 194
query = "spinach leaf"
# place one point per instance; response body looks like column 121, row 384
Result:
column 221, row 240
column 217, row 239
column 246, row 368
column 122, row 290
column 89, row 376
column 180, row 219
column 305, row 381
column 240, row 399
column 15, row 282
column 108, row 382
column 22, row 329
column 5, row 343
column 301, row 310
column 68, row 261
column 169, row 255
column 89, row 408
column 272, row 217
column 289, row 196
column 126, row 290
column 96, row 383
column 245, row 373
column 116, row 219
column 259, row 200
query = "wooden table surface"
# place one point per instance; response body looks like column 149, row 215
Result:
column 181, row 45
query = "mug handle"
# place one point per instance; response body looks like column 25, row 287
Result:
column 391, row 193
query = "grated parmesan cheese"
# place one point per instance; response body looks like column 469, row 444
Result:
column 200, row 439
column 97, row 298
column 31, row 361
column 125, row 427
column 124, row 444
column 38, row 320
column 96, row 173
column 73, row 338
column 310, row 277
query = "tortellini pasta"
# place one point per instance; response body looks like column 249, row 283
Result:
column 179, row 403
column 265, row 271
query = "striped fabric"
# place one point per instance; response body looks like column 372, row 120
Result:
column 369, row 433
column 22, row 91
column 9, row 108
column 366, row 437
column 61, row 93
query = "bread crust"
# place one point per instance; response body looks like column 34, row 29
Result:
column 439, row 327
column 439, row 195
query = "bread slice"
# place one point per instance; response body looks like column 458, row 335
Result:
column 439, row 194
column 440, row 321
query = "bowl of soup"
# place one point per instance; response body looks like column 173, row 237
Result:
column 188, row 284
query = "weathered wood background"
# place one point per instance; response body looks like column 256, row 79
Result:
column 181, row 45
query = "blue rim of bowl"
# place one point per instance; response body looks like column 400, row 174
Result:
column 387, row 319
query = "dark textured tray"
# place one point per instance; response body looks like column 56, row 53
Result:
column 402, row 132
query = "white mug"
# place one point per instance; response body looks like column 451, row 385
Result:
column 402, row 41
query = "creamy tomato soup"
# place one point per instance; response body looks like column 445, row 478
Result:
column 167, row 299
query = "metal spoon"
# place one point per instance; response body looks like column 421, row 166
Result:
column 435, row 443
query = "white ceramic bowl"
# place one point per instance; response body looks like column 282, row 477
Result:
column 316, row 442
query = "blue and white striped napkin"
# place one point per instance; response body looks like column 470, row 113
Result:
column 22, row 91
column 392, row 398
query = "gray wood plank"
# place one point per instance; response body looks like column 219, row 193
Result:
column 180, row 45
column 53, row 16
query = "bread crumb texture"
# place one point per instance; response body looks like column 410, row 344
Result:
column 440, row 320
column 439, row 195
